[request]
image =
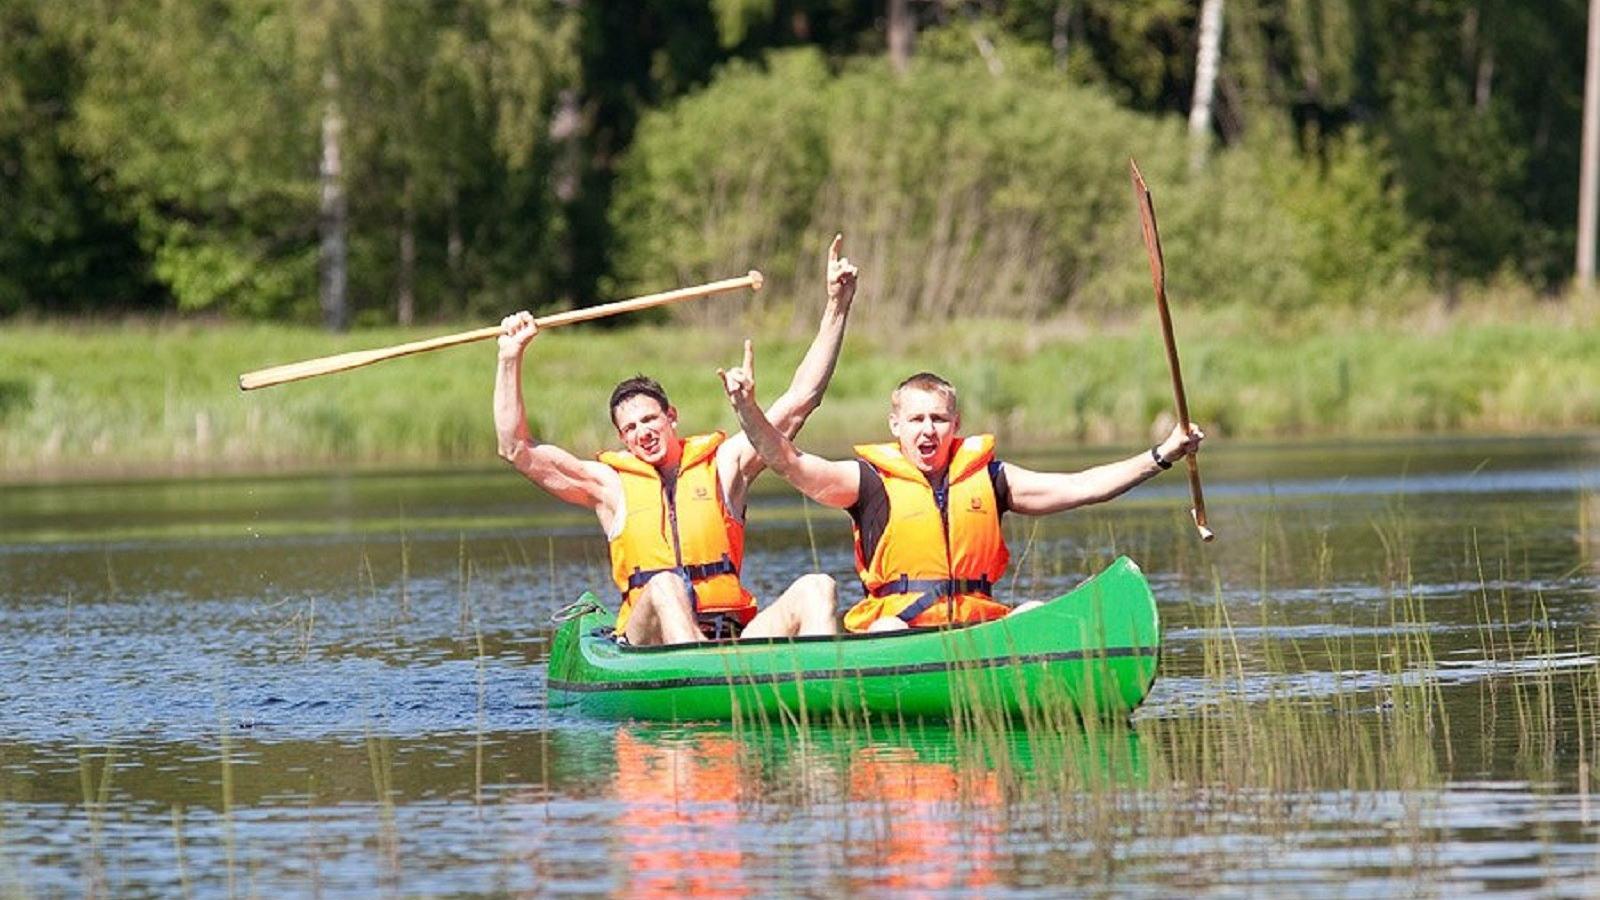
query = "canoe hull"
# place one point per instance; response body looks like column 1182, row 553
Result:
column 1093, row 651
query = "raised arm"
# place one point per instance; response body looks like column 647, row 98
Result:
column 738, row 462
column 577, row 481
column 811, row 378
column 1042, row 493
column 828, row 482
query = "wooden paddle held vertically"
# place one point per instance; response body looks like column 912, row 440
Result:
column 343, row 362
column 1158, row 274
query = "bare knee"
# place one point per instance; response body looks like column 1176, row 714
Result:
column 1024, row 607
column 817, row 589
column 666, row 589
column 888, row 623
column 665, row 612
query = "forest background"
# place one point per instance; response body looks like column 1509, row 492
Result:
column 1369, row 209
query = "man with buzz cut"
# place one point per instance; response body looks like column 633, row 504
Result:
column 671, row 507
column 926, row 507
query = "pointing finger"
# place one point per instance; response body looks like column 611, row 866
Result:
column 835, row 247
column 749, row 359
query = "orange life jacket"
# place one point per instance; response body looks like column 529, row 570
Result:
column 691, row 532
column 933, row 566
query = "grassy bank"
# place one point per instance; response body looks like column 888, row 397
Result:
column 101, row 400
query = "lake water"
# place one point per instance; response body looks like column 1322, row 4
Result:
column 335, row 684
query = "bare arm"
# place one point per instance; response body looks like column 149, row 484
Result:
column 790, row 411
column 1042, row 493
column 831, row 483
column 577, row 481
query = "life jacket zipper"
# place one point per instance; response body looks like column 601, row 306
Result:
column 942, row 500
column 670, row 493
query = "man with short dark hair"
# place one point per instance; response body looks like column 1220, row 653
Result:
column 927, row 508
column 673, row 508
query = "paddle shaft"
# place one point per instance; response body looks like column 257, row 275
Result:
column 1158, row 275
column 342, row 362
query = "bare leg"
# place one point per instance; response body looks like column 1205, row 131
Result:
column 1024, row 607
column 807, row 607
column 663, row 614
column 888, row 623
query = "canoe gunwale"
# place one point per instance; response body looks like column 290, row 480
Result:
column 757, row 678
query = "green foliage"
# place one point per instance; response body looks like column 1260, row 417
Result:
column 1356, row 243
column 208, row 118
column 65, row 243
column 166, row 152
column 1476, row 127
column 969, row 193
column 206, row 121
column 734, row 17
column 725, row 180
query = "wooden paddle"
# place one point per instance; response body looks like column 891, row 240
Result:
column 327, row 365
column 1158, row 274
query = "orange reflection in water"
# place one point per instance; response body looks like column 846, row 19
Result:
column 679, row 828
column 912, row 825
column 937, row 826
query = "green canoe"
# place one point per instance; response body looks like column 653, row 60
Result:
column 1093, row 650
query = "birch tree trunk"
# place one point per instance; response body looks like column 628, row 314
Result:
column 902, row 31
column 1206, row 63
column 334, row 221
column 1590, row 159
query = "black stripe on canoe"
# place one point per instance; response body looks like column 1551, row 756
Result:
column 662, row 684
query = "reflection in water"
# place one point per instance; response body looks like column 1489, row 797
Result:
column 915, row 810
column 679, row 831
column 687, row 801
column 936, row 826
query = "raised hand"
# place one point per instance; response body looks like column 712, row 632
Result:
column 841, row 273
column 516, row 330
column 740, row 383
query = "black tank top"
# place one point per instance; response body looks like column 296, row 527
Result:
column 870, row 512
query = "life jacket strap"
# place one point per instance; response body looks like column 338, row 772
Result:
column 931, row 590
column 690, row 574
column 698, row 572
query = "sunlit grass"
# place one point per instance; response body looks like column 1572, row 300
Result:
column 104, row 399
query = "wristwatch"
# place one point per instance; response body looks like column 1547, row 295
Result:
column 1155, row 454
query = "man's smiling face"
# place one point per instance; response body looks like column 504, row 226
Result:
column 647, row 429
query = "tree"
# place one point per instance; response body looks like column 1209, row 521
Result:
column 66, row 242
column 1207, row 58
column 1589, row 179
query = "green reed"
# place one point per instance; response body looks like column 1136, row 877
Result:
column 1270, row 727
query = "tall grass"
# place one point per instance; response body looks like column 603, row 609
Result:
column 104, row 400
column 1250, row 748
